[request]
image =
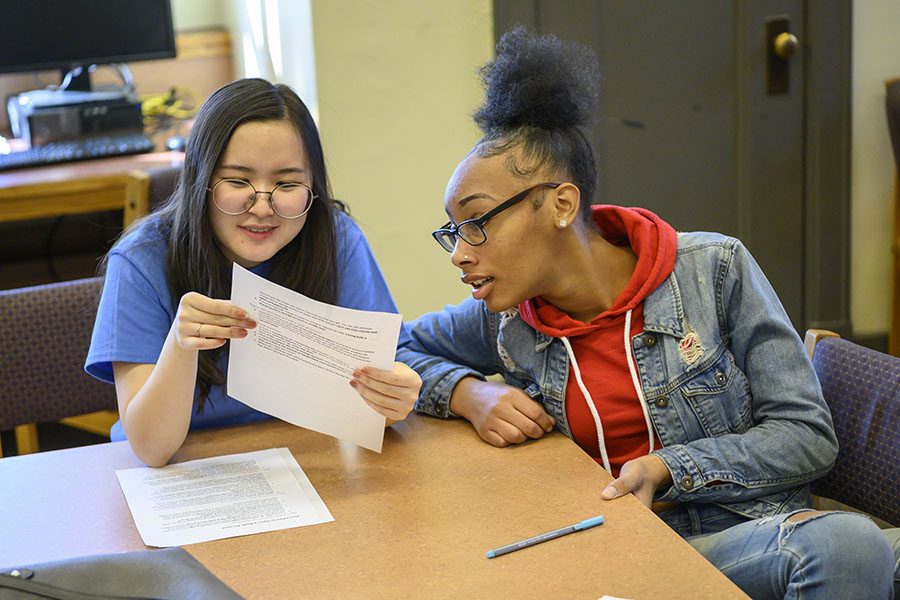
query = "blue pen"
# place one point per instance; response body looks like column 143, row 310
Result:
column 586, row 524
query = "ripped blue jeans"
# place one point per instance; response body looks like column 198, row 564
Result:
column 829, row 555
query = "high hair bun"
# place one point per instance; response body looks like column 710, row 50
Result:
column 539, row 81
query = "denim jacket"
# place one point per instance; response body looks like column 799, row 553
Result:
column 739, row 411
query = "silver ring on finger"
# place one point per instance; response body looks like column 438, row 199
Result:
column 198, row 330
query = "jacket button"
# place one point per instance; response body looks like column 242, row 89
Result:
column 720, row 377
column 650, row 341
column 687, row 482
column 439, row 410
column 661, row 401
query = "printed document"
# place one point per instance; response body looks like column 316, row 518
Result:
column 298, row 362
column 221, row 497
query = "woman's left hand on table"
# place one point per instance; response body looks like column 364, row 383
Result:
column 641, row 476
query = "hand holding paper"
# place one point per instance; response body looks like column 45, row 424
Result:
column 204, row 323
column 391, row 393
column 296, row 364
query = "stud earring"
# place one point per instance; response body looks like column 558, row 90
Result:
column 563, row 223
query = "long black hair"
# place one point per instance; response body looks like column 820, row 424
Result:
column 194, row 261
column 541, row 95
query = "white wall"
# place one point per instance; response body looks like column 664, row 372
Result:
column 397, row 84
column 876, row 57
column 198, row 14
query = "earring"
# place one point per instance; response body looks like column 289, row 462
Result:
column 563, row 223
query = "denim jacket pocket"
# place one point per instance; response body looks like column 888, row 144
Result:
column 719, row 396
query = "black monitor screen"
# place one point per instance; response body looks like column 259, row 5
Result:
column 58, row 34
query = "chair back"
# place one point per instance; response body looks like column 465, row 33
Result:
column 162, row 184
column 862, row 389
column 146, row 190
column 46, row 335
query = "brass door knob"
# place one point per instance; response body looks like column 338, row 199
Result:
column 786, row 45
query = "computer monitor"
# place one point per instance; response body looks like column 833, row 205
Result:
column 38, row 35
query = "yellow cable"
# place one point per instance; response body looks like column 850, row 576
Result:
column 178, row 103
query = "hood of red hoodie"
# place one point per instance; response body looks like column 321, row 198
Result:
column 653, row 241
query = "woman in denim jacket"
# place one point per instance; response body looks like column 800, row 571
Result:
column 666, row 356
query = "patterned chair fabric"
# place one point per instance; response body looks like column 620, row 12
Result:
column 862, row 388
column 46, row 335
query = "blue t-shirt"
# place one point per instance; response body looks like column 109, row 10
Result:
column 136, row 310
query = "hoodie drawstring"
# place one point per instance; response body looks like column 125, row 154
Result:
column 635, row 381
column 590, row 401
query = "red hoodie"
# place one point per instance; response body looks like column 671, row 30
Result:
column 599, row 346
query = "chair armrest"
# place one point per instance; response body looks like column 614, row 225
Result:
column 812, row 338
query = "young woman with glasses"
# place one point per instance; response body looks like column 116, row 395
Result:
column 253, row 190
column 666, row 356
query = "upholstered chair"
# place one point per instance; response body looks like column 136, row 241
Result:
column 862, row 389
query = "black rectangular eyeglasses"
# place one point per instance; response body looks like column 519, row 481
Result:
column 472, row 231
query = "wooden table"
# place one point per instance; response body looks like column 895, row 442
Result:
column 414, row 521
column 78, row 187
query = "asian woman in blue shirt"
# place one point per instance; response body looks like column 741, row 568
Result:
column 253, row 190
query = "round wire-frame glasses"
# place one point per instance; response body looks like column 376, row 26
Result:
column 472, row 231
column 289, row 200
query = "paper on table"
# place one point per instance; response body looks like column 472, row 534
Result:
column 297, row 363
column 221, row 497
